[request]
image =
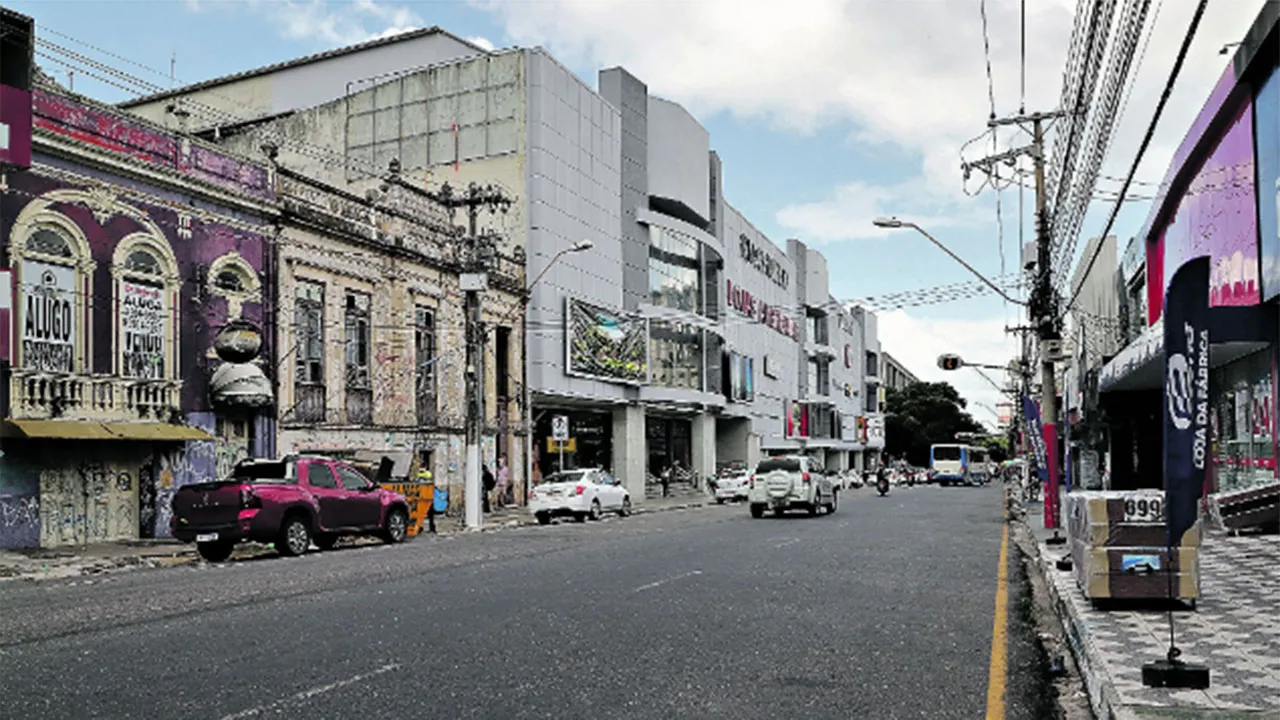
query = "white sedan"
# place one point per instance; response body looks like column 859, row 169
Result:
column 580, row 494
column 733, row 487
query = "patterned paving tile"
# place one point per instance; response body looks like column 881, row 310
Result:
column 1235, row 630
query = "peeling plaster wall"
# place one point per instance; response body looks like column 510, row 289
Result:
column 204, row 205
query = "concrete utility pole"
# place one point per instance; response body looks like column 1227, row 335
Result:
column 1044, row 302
column 477, row 258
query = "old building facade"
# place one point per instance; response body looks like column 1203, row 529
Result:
column 127, row 248
column 371, row 333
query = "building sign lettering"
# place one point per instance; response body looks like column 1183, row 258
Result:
column 771, row 315
column 760, row 259
column 142, row 330
column 48, row 317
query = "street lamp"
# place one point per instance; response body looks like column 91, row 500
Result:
column 582, row 246
column 894, row 223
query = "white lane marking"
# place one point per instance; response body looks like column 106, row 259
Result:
column 785, row 543
column 681, row 576
column 313, row 692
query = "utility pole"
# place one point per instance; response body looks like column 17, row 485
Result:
column 477, row 256
column 1044, row 302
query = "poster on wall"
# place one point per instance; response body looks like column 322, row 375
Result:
column 1266, row 112
column 48, row 324
column 605, row 345
column 142, row 312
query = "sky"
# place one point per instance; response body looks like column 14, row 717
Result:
column 825, row 113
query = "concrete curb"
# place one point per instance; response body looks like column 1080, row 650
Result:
column 1103, row 698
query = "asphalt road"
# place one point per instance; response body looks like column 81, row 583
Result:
column 881, row 611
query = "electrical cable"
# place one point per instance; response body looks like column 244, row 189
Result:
column 1146, row 140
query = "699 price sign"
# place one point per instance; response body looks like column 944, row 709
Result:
column 1144, row 509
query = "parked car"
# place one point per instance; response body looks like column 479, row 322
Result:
column 291, row 503
column 732, row 486
column 580, row 494
column 791, row 482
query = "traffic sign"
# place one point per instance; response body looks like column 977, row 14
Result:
column 560, row 427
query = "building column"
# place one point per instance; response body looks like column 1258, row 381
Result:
column 704, row 446
column 753, row 449
column 629, row 450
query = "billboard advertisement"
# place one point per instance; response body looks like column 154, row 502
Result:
column 48, row 319
column 1216, row 218
column 604, row 344
column 1267, row 113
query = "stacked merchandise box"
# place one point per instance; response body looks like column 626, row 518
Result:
column 1118, row 547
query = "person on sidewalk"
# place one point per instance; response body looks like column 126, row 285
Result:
column 665, row 479
column 504, row 480
column 489, row 483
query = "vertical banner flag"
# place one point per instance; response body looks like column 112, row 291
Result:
column 1035, row 438
column 1186, row 395
column 6, row 311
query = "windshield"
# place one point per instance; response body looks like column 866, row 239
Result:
column 569, row 476
column 775, row 464
column 946, row 453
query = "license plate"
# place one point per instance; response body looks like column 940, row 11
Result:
column 206, row 537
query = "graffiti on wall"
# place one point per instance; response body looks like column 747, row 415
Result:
column 88, row 502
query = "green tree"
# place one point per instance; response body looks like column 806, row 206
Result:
column 924, row 414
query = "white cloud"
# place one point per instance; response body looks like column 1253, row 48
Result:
column 335, row 23
column 482, row 41
column 848, row 212
column 917, row 342
column 907, row 74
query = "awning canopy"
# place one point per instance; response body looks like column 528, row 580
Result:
column 93, row 430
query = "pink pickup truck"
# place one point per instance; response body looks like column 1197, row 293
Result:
column 291, row 503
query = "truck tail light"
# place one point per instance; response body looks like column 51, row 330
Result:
column 579, row 490
column 752, row 481
column 805, row 478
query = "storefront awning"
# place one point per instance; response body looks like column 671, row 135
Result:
column 91, row 430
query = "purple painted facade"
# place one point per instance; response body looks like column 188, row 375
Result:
column 61, row 491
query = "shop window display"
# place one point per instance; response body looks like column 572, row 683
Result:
column 1244, row 424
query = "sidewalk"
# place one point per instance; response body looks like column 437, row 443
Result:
column 1235, row 631
column 92, row 560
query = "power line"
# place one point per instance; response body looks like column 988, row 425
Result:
column 1146, row 140
column 986, row 51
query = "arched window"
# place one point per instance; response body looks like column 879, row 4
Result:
column 146, row 302
column 54, row 270
column 231, row 277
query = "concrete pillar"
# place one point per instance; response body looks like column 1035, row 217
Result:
column 753, row 450
column 704, row 446
column 629, row 450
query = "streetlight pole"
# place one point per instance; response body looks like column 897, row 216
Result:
column 886, row 222
column 527, row 408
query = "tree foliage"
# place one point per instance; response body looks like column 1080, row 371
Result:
column 924, row 414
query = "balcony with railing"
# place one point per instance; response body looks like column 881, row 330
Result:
column 36, row 395
column 308, row 403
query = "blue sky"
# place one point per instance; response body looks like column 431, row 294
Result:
column 823, row 118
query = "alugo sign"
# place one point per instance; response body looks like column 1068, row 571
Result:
column 771, row 315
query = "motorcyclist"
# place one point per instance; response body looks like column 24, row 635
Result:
column 882, row 478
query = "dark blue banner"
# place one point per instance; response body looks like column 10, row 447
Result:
column 1186, row 395
column 1035, row 432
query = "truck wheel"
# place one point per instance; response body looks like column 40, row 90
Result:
column 295, row 537
column 544, row 518
column 757, row 510
column 217, row 551
column 397, row 527
column 325, row 541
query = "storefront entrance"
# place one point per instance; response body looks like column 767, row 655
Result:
column 668, row 441
column 590, row 441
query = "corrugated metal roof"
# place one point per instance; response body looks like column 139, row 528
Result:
column 298, row 62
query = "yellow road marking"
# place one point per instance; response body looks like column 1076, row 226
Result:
column 999, row 636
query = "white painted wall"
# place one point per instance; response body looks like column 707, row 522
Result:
column 678, row 160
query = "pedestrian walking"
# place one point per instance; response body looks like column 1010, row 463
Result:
column 504, row 480
column 665, row 479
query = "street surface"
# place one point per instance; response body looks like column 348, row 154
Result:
column 881, row 611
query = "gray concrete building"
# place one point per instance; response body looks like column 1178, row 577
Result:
column 684, row 336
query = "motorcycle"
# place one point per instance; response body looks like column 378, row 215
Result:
column 882, row 485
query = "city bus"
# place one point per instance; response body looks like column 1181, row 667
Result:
column 954, row 464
